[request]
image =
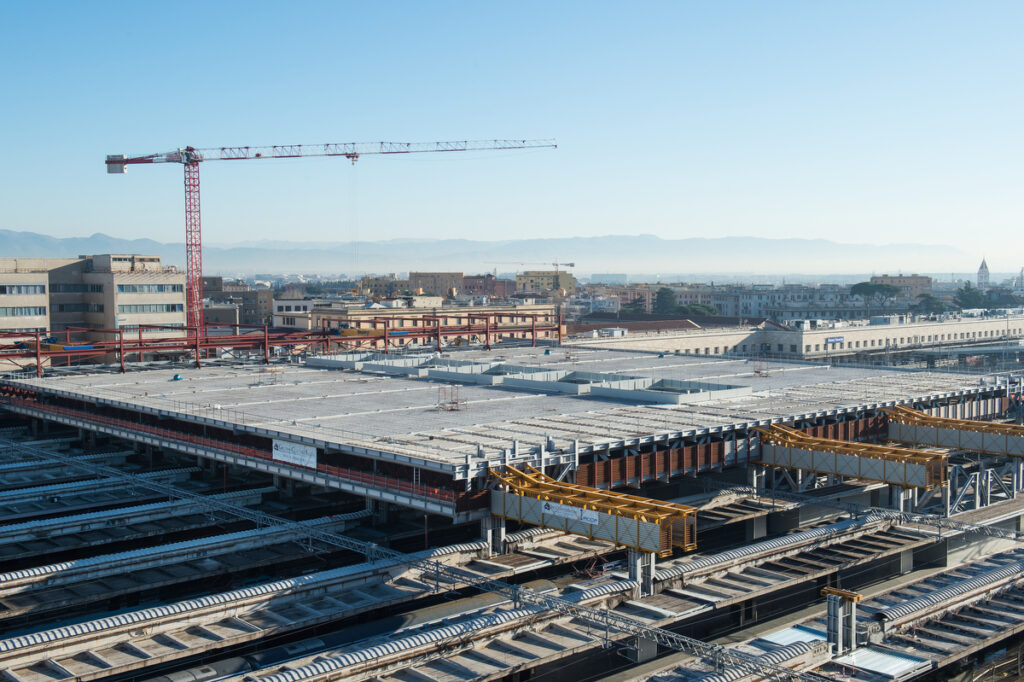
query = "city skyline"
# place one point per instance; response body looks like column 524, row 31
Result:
column 859, row 123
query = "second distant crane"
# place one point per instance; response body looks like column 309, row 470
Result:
column 190, row 158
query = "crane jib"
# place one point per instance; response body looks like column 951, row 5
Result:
column 190, row 157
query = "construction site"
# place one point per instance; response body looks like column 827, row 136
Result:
column 506, row 514
column 466, row 495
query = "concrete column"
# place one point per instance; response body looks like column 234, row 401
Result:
column 492, row 531
column 834, row 630
column 756, row 528
column 641, row 571
column 899, row 497
column 850, row 625
column 756, row 477
column 380, row 513
column 906, row 561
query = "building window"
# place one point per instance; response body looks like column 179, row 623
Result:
column 150, row 288
column 22, row 289
column 78, row 308
column 76, row 288
column 23, row 311
column 151, row 308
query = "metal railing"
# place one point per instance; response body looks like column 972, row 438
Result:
column 376, row 480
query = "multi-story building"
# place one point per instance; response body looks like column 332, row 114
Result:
column 217, row 288
column 983, row 275
column 634, row 298
column 117, row 291
column 382, row 286
column 545, row 280
column 353, row 321
column 257, row 306
column 911, row 286
column 25, row 293
column 435, row 283
column 221, row 318
column 834, row 342
column 487, row 285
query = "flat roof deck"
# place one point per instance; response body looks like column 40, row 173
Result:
column 397, row 413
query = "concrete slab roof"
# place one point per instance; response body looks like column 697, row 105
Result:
column 389, row 412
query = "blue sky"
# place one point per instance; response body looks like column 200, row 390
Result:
column 868, row 122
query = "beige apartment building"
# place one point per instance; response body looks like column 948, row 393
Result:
column 354, row 321
column 436, row 283
column 25, row 292
column 545, row 280
column 117, row 291
column 910, row 286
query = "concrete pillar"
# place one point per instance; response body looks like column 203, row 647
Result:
column 841, row 624
column 899, row 497
column 850, row 625
column 834, row 630
column 641, row 571
column 492, row 531
column 906, row 561
column 756, row 477
column 380, row 513
column 756, row 528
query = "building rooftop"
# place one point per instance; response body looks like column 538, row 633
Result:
column 508, row 402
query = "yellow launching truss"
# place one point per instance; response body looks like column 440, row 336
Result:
column 917, row 427
column 616, row 513
column 789, row 448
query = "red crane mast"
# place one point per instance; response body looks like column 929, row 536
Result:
column 191, row 157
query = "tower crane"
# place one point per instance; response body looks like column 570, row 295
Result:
column 190, row 158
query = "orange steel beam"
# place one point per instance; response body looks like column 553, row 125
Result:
column 905, row 415
column 783, row 435
column 935, row 463
column 534, row 483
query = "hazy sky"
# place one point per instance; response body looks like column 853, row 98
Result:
column 856, row 121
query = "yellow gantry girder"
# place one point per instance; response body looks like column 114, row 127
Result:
column 630, row 520
column 905, row 415
column 777, row 434
column 537, row 484
column 913, row 468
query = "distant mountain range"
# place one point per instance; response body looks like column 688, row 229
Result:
column 637, row 255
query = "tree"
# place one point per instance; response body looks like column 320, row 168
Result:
column 665, row 301
column 929, row 305
column 876, row 291
column 969, row 297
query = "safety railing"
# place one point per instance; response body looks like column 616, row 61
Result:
column 376, row 480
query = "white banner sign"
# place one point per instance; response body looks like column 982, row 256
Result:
column 567, row 512
column 295, row 453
